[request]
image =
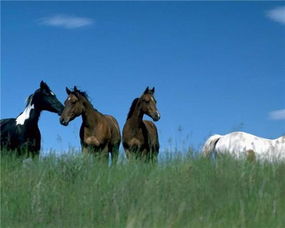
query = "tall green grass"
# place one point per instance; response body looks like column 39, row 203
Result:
column 76, row 191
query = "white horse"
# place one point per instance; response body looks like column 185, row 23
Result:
column 244, row 145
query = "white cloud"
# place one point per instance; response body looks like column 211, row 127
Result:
column 64, row 21
column 277, row 115
column 277, row 14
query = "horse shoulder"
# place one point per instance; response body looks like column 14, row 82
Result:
column 150, row 126
column 129, row 130
column 131, row 140
column 114, row 129
column 113, row 123
column 132, row 136
column 152, row 131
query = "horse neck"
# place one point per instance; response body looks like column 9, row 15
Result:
column 90, row 116
column 30, row 116
column 137, row 116
column 34, row 116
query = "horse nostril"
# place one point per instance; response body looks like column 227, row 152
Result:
column 157, row 116
column 63, row 122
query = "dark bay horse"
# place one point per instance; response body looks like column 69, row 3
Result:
column 99, row 133
column 140, row 137
column 22, row 134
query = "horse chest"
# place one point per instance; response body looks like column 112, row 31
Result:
column 26, row 138
column 28, row 132
column 138, row 138
column 94, row 137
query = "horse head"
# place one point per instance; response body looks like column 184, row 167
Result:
column 148, row 104
column 45, row 99
column 73, row 106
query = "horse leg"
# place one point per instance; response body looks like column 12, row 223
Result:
column 145, row 155
column 102, row 154
column 153, row 156
column 85, row 149
column 132, row 152
column 129, row 154
column 105, row 154
column 34, row 150
column 29, row 149
column 114, row 150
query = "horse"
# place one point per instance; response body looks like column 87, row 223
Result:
column 99, row 133
column 22, row 134
column 245, row 145
column 140, row 137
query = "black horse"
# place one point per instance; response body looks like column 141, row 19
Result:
column 22, row 134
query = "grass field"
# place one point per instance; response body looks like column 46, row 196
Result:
column 181, row 191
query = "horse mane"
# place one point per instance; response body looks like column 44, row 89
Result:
column 29, row 100
column 85, row 95
column 82, row 93
column 132, row 108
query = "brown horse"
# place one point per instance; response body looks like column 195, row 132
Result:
column 99, row 133
column 140, row 138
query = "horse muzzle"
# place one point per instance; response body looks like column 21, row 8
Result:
column 63, row 122
column 156, row 116
column 60, row 110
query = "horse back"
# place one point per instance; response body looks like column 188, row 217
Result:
column 238, row 143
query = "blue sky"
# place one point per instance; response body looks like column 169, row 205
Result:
column 217, row 66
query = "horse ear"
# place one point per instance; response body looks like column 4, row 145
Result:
column 67, row 90
column 146, row 90
column 152, row 90
column 75, row 89
column 44, row 86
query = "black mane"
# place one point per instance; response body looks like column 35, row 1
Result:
column 85, row 95
column 132, row 108
column 82, row 93
column 29, row 100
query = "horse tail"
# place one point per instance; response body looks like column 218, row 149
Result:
column 210, row 145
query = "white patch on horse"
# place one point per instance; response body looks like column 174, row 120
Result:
column 237, row 143
column 24, row 115
column 52, row 93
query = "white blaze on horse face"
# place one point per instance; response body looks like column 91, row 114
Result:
column 25, row 115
